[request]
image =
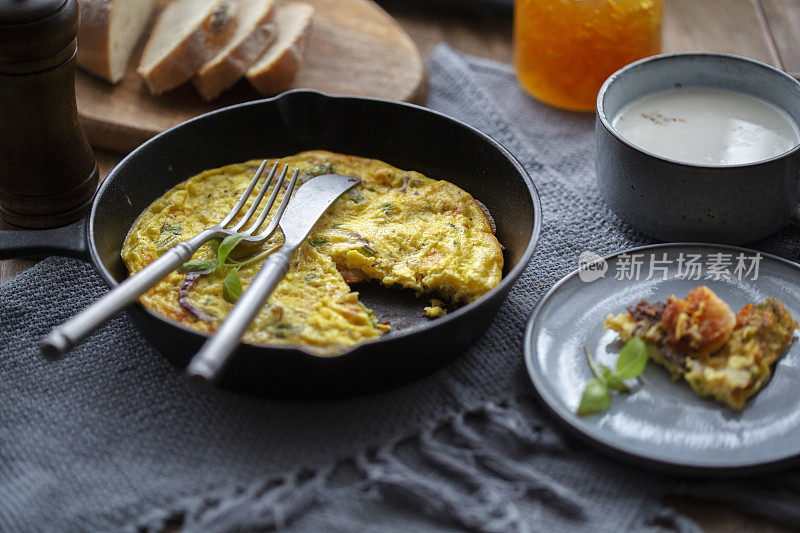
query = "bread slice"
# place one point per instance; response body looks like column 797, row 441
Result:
column 274, row 71
column 108, row 34
column 187, row 34
column 255, row 30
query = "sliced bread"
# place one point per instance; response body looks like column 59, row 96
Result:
column 274, row 71
column 255, row 30
column 108, row 34
column 187, row 34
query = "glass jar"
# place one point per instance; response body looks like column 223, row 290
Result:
column 565, row 49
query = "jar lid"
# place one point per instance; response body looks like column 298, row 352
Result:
column 33, row 30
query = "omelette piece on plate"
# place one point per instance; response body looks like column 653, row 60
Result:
column 397, row 227
column 721, row 354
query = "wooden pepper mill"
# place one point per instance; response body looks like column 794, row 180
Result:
column 48, row 173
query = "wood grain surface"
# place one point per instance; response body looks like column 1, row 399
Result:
column 745, row 27
column 783, row 22
column 355, row 48
column 736, row 28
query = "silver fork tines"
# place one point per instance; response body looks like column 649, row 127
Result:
column 273, row 225
column 249, row 234
column 246, row 194
column 260, row 194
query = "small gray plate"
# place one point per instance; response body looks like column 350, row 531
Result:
column 663, row 423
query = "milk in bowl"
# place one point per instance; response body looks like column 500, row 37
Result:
column 707, row 126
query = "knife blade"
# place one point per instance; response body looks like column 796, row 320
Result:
column 309, row 203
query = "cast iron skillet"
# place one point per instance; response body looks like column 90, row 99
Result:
column 404, row 135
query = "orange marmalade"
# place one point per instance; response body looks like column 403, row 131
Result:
column 565, row 49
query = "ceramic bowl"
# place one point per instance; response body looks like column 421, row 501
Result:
column 676, row 201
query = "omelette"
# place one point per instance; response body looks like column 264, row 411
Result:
column 721, row 354
column 396, row 227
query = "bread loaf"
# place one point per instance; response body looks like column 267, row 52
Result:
column 187, row 34
column 108, row 34
column 276, row 69
column 255, row 30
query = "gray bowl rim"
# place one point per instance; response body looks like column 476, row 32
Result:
column 614, row 78
column 612, row 448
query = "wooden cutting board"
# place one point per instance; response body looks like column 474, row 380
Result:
column 355, row 48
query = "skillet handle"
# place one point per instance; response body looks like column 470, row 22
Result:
column 207, row 365
column 68, row 241
column 62, row 338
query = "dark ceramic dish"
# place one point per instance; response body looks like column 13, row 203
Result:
column 403, row 135
column 676, row 201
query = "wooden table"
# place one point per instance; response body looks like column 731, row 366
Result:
column 767, row 30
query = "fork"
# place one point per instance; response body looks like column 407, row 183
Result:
column 62, row 338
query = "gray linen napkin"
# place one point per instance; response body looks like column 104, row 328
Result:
column 112, row 438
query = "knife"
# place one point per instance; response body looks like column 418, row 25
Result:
column 309, row 203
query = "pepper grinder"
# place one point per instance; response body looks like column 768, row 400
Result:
column 48, row 173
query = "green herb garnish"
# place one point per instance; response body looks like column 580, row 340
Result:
column 317, row 169
column 386, row 207
column 232, row 286
column 167, row 228
column 226, row 247
column 372, row 320
column 223, row 250
column 316, row 242
column 240, row 264
column 199, row 266
column 596, row 398
column 630, row 364
column 632, row 359
column 356, row 196
column 167, row 242
column 170, row 238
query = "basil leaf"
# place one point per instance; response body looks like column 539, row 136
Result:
column 199, row 266
column 214, row 245
column 232, row 286
column 632, row 359
column 596, row 398
column 226, row 247
column 613, row 381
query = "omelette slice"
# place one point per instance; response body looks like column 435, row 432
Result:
column 397, row 227
column 721, row 354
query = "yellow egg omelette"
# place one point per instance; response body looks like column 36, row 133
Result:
column 397, row 227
